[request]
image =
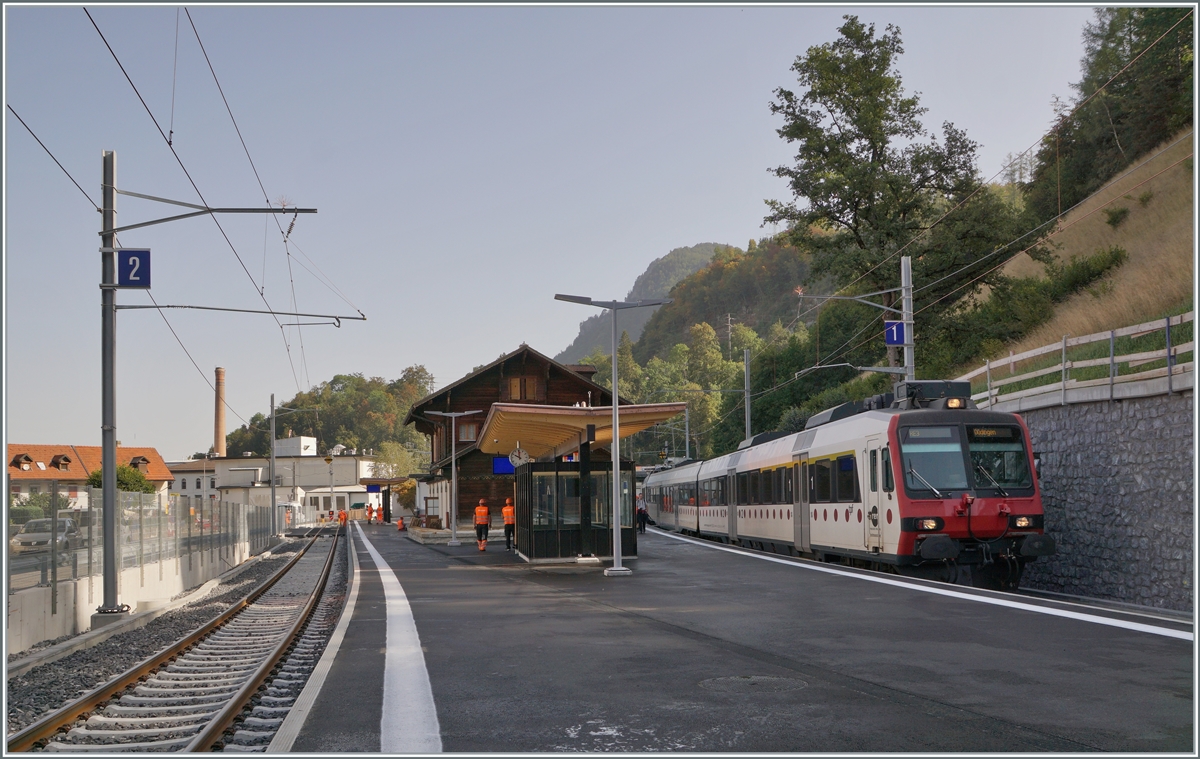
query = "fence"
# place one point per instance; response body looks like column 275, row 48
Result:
column 151, row 530
column 1153, row 350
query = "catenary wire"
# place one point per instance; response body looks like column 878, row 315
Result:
column 937, row 221
column 96, row 207
column 64, row 170
column 196, row 188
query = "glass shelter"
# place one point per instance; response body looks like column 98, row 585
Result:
column 563, row 513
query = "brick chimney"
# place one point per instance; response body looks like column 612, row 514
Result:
column 219, row 422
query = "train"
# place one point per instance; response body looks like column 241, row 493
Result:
column 918, row 482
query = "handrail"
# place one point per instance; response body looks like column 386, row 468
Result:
column 1137, row 330
column 992, row 392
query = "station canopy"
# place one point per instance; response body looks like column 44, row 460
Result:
column 558, row 430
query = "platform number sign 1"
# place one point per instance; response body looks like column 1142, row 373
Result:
column 893, row 333
column 133, row 268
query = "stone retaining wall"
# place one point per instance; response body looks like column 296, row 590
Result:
column 1118, row 491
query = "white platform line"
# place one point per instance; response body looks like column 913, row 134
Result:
column 1137, row 626
column 409, row 723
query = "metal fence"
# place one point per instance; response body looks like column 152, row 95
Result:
column 151, row 530
column 1162, row 348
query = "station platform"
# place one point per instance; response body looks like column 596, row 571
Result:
column 707, row 648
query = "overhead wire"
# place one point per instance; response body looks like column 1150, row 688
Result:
column 199, row 194
column 1062, row 120
column 116, row 239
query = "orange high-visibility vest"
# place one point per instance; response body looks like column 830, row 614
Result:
column 510, row 514
column 481, row 514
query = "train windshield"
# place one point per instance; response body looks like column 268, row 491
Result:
column 998, row 457
column 932, row 458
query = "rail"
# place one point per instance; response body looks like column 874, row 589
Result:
column 25, row 739
column 1042, row 377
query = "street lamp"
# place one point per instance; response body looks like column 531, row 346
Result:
column 329, row 461
column 453, row 416
column 614, row 305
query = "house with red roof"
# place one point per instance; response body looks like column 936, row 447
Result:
column 32, row 469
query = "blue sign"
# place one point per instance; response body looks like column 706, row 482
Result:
column 893, row 333
column 133, row 268
column 501, row 465
column 373, row 489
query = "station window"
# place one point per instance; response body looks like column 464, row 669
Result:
column 198, row 479
column 468, row 432
column 183, row 482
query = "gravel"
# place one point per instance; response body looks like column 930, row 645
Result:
column 49, row 686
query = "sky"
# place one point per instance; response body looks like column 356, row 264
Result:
column 467, row 163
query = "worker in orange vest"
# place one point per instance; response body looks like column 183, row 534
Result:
column 483, row 519
column 510, row 523
column 342, row 516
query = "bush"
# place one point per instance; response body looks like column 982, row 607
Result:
column 1114, row 216
column 129, row 480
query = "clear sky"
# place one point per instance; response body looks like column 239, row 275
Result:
column 467, row 163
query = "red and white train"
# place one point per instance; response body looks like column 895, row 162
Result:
column 920, row 482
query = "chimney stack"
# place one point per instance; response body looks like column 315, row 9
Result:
column 219, row 425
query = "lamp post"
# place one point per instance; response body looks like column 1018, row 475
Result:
column 616, row 569
column 329, row 461
column 453, row 416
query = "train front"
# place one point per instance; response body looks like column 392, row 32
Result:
column 970, row 507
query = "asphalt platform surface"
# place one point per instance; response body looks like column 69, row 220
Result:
column 710, row 650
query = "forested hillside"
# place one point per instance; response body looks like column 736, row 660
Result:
column 658, row 279
column 355, row 411
column 870, row 184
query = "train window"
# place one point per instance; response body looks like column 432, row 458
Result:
column 998, row 457
column 789, row 479
column 743, row 488
column 886, row 461
column 932, row 458
column 847, row 479
column 804, row 483
column 779, row 484
column 822, row 481
column 768, row 487
column 874, row 474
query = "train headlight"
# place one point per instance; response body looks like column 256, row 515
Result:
column 929, row 524
column 955, row 403
column 1023, row 522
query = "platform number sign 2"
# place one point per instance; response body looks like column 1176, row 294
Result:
column 133, row 268
column 893, row 333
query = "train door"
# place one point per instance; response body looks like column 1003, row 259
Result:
column 802, row 538
column 872, row 527
column 730, row 502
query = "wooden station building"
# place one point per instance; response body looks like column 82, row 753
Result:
column 523, row 377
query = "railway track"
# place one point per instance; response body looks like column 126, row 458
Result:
column 189, row 696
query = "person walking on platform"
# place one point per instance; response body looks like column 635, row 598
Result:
column 483, row 520
column 643, row 516
column 510, row 523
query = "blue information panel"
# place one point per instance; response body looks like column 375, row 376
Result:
column 893, row 333
column 133, row 268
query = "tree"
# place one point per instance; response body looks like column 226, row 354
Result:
column 869, row 181
column 129, row 480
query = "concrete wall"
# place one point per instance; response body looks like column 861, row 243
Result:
column 1118, row 489
column 31, row 620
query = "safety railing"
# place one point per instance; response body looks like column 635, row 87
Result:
column 1160, row 349
column 151, row 531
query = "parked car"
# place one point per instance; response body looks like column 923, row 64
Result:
column 34, row 537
